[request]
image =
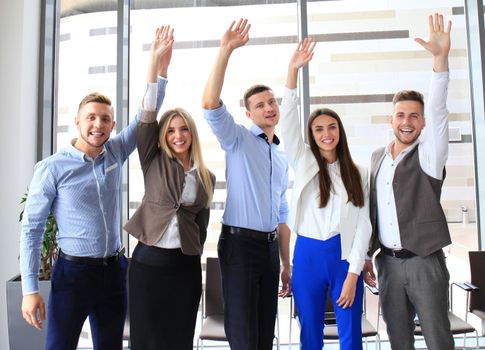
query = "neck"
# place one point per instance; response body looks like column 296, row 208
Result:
column 91, row 151
column 330, row 157
column 397, row 147
column 269, row 132
column 185, row 159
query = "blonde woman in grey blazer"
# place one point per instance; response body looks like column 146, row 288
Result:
column 165, row 279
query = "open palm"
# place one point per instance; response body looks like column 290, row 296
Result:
column 439, row 42
column 237, row 35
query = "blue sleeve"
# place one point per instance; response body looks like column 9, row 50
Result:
column 224, row 127
column 42, row 192
column 284, row 202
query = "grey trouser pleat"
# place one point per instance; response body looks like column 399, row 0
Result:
column 418, row 285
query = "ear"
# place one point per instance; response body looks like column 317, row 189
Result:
column 248, row 114
column 389, row 119
column 113, row 125
column 77, row 122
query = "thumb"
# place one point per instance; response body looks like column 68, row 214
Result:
column 421, row 42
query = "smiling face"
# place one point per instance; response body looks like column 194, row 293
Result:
column 407, row 121
column 326, row 133
column 263, row 110
column 179, row 138
column 95, row 123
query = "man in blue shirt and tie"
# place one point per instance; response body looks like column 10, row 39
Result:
column 254, row 220
column 81, row 185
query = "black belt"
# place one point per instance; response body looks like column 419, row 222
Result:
column 260, row 235
column 93, row 261
column 398, row 253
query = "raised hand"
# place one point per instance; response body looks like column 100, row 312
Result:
column 160, row 53
column 439, row 42
column 236, row 35
column 162, row 43
column 303, row 53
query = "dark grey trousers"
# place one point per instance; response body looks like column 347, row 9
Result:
column 418, row 285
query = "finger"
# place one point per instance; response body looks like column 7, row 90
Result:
column 231, row 26
column 42, row 311
column 448, row 29
column 442, row 23
column 238, row 25
column 430, row 24
column 246, row 30
column 312, row 46
column 421, row 42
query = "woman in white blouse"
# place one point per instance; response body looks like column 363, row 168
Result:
column 329, row 211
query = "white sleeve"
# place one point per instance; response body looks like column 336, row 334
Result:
column 433, row 149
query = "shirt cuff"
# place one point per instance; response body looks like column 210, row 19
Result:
column 150, row 99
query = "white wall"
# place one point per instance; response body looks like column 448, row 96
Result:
column 19, row 52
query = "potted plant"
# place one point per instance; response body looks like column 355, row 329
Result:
column 21, row 335
column 49, row 248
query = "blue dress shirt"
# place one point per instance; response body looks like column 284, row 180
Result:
column 256, row 174
column 84, row 196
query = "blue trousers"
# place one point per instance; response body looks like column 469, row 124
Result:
column 80, row 290
column 317, row 271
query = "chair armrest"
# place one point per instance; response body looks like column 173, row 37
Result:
column 466, row 286
column 373, row 290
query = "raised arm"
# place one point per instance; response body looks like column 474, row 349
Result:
column 434, row 145
column 237, row 35
column 302, row 55
column 289, row 122
column 160, row 57
column 438, row 43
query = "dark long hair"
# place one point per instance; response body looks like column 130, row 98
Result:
column 348, row 170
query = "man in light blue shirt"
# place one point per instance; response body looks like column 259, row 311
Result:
column 81, row 185
column 254, row 220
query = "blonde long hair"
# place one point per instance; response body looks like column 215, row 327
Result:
column 195, row 150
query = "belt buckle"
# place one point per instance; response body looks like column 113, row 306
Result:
column 271, row 236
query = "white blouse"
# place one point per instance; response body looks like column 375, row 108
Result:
column 171, row 238
column 321, row 223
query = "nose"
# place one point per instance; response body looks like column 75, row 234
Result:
column 97, row 122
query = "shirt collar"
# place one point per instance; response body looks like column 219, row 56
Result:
column 77, row 154
column 257, row 131
column 404, row 151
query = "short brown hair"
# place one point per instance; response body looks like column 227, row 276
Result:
column 408, row 95
column 94, row 97
column 253, row 90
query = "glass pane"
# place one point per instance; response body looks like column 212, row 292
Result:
column 86, row 63
column 197, row 34
column 365, row 54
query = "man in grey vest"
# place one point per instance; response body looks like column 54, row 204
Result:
column 409, row 225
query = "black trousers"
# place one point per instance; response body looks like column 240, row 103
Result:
column 164, row 293
column 250, row 276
